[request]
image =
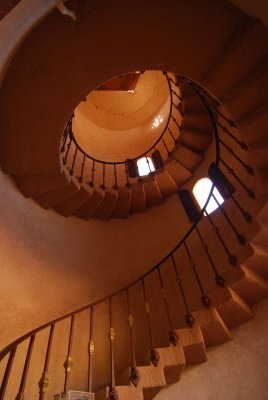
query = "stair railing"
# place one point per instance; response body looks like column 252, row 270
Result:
column 195, row 231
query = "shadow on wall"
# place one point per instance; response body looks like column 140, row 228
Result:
column 236, row 371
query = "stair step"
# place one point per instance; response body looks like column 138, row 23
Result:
column 152, row 193
column 197, row 140
column 138, row 200
column 165, row 183
column 233, row 68
column 105, row 208
column 178, row 172
column 172, row 360
column 231, row 307
column 187, row 157
column 213, row 328
column 54, row 197
column 258, row 263
column 72, row 204
column 90, row 206
column 260, row 242
column 193, row 104
column 186, row 90
column 35, row 185
column 193, row 345
column 251, row 287
column 122, row 205
column 199, row 122
column 262, row 217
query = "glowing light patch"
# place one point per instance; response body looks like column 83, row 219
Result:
column 201, row 191
column 157, row 121
column 145, row 166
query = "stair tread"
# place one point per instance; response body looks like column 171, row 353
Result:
column 178, row 172
column 73, row 203
column 165, row 183
column 187, row 157
column 258, row 263
column 152, row 193
column 122, row 205
column 138, row 200
column 35, row 185
column 90, row 206
column 199, row 122
column 105, row 208
column 54, row 197
column 193, row 344
column 197, row 140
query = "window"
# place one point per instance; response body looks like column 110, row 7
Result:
column 145, row 166
column 201, row 191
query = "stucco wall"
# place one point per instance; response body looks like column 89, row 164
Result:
column 236, row 371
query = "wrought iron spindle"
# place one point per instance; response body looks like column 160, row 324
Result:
column 69, row 362
column 204, row 298
column 91, row 349
column 134, row 372
column 240, row 238
column 176, row 122
column 230, row 122
column 44, row 381
column 20, row 395
column 112, row 390
column 247, row 216
column 65, row 137
column 103, row 177
column 226, row 130
column 218, row 278
column 248, row 190
column 148, row 163
column 127, row 177
column 176, row 94
column 73, row 163
column 82, row 169
column 232, row 259
column 164, row 143
column 247, row 167
column 173, row 337
column 154, row 356
column 115, row 178
column 171, row 134
column 91, row 183
column 189, row 318
column 7, row 373
column 65, row 158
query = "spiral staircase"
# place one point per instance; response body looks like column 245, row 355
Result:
column 138, row 339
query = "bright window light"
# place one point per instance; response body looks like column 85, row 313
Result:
column 143, row 166
column 201, row 191
column 157, row 121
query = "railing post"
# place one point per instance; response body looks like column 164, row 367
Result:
column 43, row 382
column 7, row 373
column 91, row 350
column 20, row 395
column 112, row 389
column 134, row 372
column 69, row 362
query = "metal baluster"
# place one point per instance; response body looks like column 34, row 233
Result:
column 226, row 130
column 103, row 177
column 69, row 362
column 43, row 383
column 112, row 390
column 232, row 259
column 176, row 122
column 218, row 278
column 115, row 178
column 126, row 172
column 134, row 372
column 91, row 183
column 173, row 337
column 65, row 137
column 247, row 167
column 171, row 134
column 176, row 94
column 67, row 152
column 154, row 356
column 82, row 169
column 73, row 163
column 7, row 373
column 204, row 298
column 91, row 349
column 247, row 216
column 230, row 122
column 240, row 238
column 148, row 163
column 189, row 318
column 249, row 191
column 20, row 395
column 164, row 143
